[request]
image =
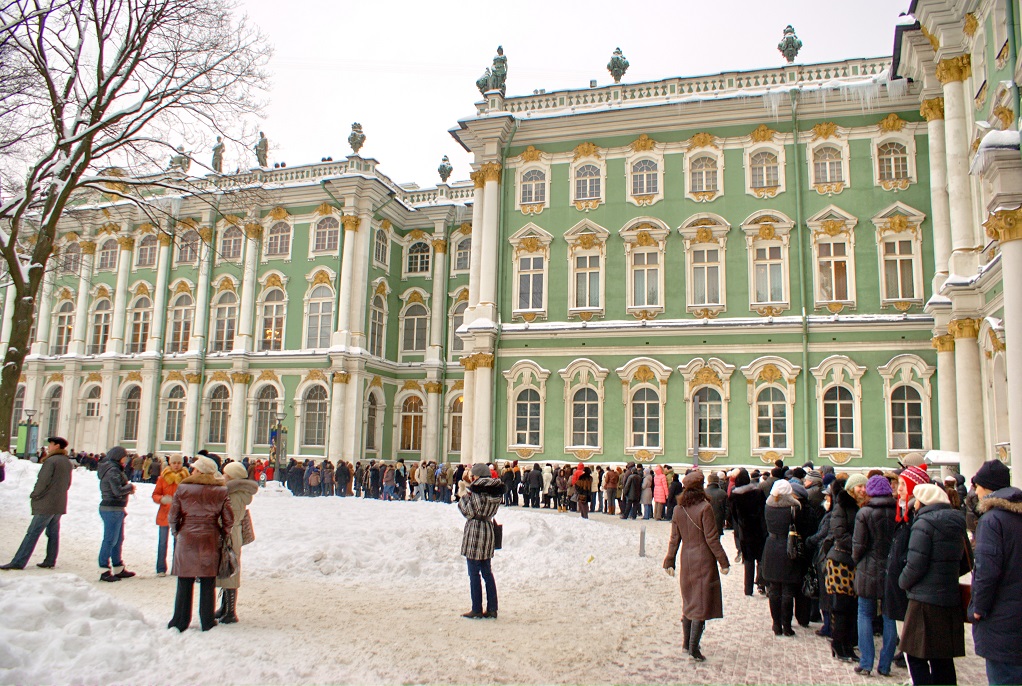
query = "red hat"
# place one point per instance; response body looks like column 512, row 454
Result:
column 912, row 476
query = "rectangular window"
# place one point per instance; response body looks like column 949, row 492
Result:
column 645, row 279
column 832, row 269
column 706, row 276
column 587, row 281
column 769, row 275
column 899, row 271
column 530, row 283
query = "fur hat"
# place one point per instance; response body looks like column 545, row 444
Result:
column 930, row 494
column 480, row 471
column 236, row 470
column 204, row 465
column 693, row 479
column 855, row 480
column 878, row 486
column 993, row 475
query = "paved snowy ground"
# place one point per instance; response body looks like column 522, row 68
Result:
column 345, row 591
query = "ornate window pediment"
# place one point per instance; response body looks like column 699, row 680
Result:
column 833, row 240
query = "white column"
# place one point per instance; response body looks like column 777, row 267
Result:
column 969, row 391
column 482, row 438
column 438, row 301
column 489, row 237
column 8, row 323
column 952, row 72
column 947, row 396
column 148, row 409
column 107, row 407
column 239, row 420
column 81, row 325
column 475, row 265
column 69, row 406
column 201, row 328
column 190, row 428
column 940, row 208
column 342, row 336
column 1011, row 254
column 155, row 342
column 432, row 427
column 115, row 344
column 44, row 316
column 353, row 421
column 360, row 290
column 335, row 447
column 468, row 412
column 243, row 341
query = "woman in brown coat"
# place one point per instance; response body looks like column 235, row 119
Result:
column 695, row 529
column 200, row 517
column 240, row 491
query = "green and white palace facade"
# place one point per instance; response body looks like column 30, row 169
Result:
column 801, row 262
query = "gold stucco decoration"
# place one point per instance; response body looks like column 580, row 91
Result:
column 273, row 281
column 175, row 376
column 954, row 69
column 141, row 289
column 146, row 228
column 996, row 344
column 55, row 377
column 769, row 311
column 704, row 235
column 462, row 296
column 932, row 109
column 415, row 297
column 586, row 241
column 165, row 239
column 381, row 288
column 582, row 453
column 897, row 223
column 530, row 154
column 767, row 232
column 477, row 179
column 964, row 328
column 484, row 361
column 321, row 277
column 644, row 315
column 902, row 305
column 587, row 149
column 102, row 292
column 1002, row 56
column 220, row 376
column 126, row 242
column 182, row 287
column 233, row 220
column 643, row 200
column 1004, row 115
column 439, row 245
column 206, row 234
column 226, row 285
column 934, row 43
column 133, row 376
column 342, row 377
column 971, row 24
column 65, row 294
column 465, row 229
column 459, row 385
column 468, row 362
column 707, row 377
column 315, row 375
column 944, row 343
column 840, row 458
column 706, row 313
column 530, row 244
column 434, row 387
column 643, row 374
column 88, row 247
column 110, row 228
column 645, row 239
column 833, row 227
column 241, row 378
column 193, row 378
column 770, row 374
column 325, row 209
column 411, row 385
column 268, row 375
column 763, row 134
column 892, row 123
column 491, row 171
column 643, row 144
column 278, row 213
column 585, row 205
column 524, row 453
column 702, row 140
column 643, row 456
column 824, row 130
column 253, row 231
column 529, row 316
column 835, row 308
column 377, row 382
column 351, row 222
column 1004, row 225
column 584, row 316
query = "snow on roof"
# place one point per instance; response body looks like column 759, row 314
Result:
column 1000, row 140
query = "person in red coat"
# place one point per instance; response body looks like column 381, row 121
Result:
column 163, row 494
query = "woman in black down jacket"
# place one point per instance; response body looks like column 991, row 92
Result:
column 934, row 633
column 840, row 580
column 781, row 573
column 871, row 544
column 746, row 504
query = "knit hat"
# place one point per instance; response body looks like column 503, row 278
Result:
column 204, row 465
column 914, row 476
column 914, row 460
column 993, row 475
column 878, row 486
column 480, row 471
column 780, row 489
column 799, row 490
column 693, row 479
column 815, row 475
column 930, row 494
column 855, row 480
column 828, row 479
column 236, row 470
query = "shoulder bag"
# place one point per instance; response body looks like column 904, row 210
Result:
column 498, row 534
column 796, row 547
column 247, row 532
column 228, row 559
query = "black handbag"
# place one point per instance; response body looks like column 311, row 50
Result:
column 796, row 546
column 228, row 559
column 498, row 534
column 810, row 583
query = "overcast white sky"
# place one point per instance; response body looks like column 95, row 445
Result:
column 406, row 70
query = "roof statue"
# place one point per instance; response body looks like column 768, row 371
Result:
column 218, row 155
column 357, row 138
column 180, row 160
column 262, row 149
column 790, row 44
column 445, row 169
column 495, row 77
column 617, row 66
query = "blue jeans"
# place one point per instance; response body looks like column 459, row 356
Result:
column 1003, row 673
column 647, row 512
column 48, row 523
column 867, row 610
column 113, row 538
column 161, row 550
column 430, row 492
column 479, row 571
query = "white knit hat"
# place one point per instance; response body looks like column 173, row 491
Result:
column 204, row 465
column 930, row 494
column 235, row 470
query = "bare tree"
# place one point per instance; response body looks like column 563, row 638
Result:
column 91, row 87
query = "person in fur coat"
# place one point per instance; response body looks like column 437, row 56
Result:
column 240, row 491
column 163, row 494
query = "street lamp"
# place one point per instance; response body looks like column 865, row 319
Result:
column 280, row 446
column 31, row 435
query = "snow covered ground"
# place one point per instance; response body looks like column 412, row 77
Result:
column 354, row 591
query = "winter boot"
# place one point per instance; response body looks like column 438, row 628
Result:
column 222, row 610
column 775, row 613
column 230, row 600
column 697, row 634
column 787, row 610
column 686, row 626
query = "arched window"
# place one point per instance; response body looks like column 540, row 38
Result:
column 418, row 258
column 414, row 323
column 319, row 317
column 457, row 407
column 328, row 232
column 457, row 319
column 108, row 254
column 92, row 402
column 710, row 418
column 644, row 178
column 219, row 404
column 140, row 319
column 587, row 182
column 765, row 173
column 19, row 407
column 147, row 252
column 838, row 418
column 377, row 319
column 180, row 324
column 72, row 258
column 372, row 422
column 893, row 159
column 906, row 418
column 645, row 418
column 827, row 165
column 230, row 244
column 175, row 415
column 704, row 174
column 463, row 255
column 272, row 336
column 53, row 411
column 225, row 320
column 314, row 427
column 132, row 404
column 188, row 248
column 533, row 187
column 771, row 419
column 527, row 414
column 100, row 327
column 585, row 415
column 266, row 415
column 411, row 424
column 381, row 247
column 63, row 327
column 278, row 239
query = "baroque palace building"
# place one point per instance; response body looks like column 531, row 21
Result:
column 799, row 262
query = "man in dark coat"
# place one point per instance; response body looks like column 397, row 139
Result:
column 718, row 500
column 533, row 485
column 997, row 581
column 49, row 503
column 748, row 515
column 631, row 493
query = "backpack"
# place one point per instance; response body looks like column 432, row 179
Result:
column 314, row 479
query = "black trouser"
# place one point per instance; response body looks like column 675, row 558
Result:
column 750, row 574
column 844, row 631
column 782, row 604
column 183, row 603
column 940, row 672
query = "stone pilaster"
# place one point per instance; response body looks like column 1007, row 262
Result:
column 952, row 73
column 81, row 326
column 969, row 391
column 200, row 330
column 244, row 341
column 940, row 208
column 947, row 398
column 238, row 422
column 342, row 336
column 155, row 342
column 190, row 426
column 115, row 343
column 335, row 445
